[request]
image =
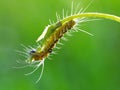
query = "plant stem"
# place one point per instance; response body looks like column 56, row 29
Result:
column 92, row 15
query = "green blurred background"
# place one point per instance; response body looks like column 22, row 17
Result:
column 82, row 63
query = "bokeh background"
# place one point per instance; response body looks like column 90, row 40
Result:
column 82, row 63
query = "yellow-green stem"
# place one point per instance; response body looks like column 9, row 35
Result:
column 92, row 15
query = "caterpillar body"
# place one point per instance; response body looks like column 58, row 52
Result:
column 58, row 31
column 54, row 32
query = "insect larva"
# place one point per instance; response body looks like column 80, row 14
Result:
column 52, row 40
column 54, row 32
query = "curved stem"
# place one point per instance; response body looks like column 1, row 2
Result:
column 92, row 15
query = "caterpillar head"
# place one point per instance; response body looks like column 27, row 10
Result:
column 34, row 55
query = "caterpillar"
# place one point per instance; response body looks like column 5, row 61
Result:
column 54, row 32
column 51, row 41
